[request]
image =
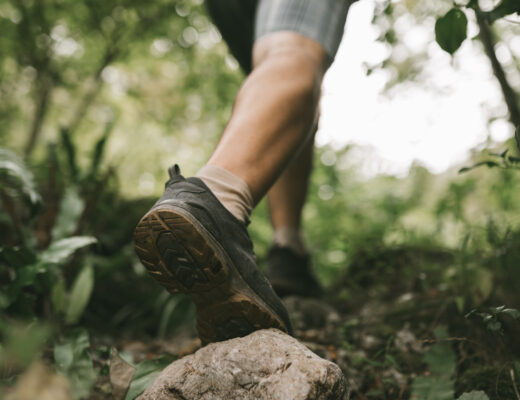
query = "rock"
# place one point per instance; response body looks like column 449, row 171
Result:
column 39, row 382
column 121, row 374
column 266, row 364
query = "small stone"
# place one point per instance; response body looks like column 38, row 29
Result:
column 121, row 374
column 39, row 382
column 266, row 364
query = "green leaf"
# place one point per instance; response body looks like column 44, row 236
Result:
column 70, row 151
column 488, row 163
column 25, row 276
column 440, row 359
column 12, row 166
column 432, row 388
column 22, row 342
column 474, row 395
column 80, row 294
column 166, row 315
column 99, row 149
column 146, row 372
column 59, row 297
column 59, row 251
column 74, row 362
column 441, row 362
column 451, row 30
column 17, row 257
column 494, row 325
column 512, row 313
column 71, row 208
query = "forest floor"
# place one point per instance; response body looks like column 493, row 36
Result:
column 392, row 329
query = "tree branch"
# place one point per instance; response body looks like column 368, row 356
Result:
column 93, row 90
column 510, row 96
column 42, row 105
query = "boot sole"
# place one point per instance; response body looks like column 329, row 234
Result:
column 184, row 257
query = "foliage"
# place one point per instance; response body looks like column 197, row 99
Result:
column 15, row 177
column 73, row 360
column 21, row 343
column 474, row 395
column 500, row 160
column 450, row 30
column 438, row 385
column 40, row 271
column 145, row 374
column 491, row 318
column 78, row 71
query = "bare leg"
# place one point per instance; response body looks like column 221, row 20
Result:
column 274, row 110
column 287, row 196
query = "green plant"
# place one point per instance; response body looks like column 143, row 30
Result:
column 33, row 284
column 145, row 373
column 492, row 319
column 451, row 29
column 501, row 160
column 440, row 360
column 73, row 360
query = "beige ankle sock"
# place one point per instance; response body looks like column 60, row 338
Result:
column 229, row 189
column 292, row 238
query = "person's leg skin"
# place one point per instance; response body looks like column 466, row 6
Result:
column 288, row 262
column 274, row 110
column 286, row 197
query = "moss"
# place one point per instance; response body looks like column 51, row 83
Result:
column 492, row 379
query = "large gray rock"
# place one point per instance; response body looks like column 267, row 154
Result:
column 266, row 364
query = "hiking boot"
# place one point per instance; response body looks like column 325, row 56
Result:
column 291, row 274
column 190, row 243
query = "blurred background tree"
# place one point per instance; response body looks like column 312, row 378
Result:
column 484, row 22
column 155, row 67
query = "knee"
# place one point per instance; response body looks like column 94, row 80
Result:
column 298, row 59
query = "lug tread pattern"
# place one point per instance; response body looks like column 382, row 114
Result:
column 176, row 254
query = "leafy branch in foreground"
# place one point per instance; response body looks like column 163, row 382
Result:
column 451, row 28
column 501, row 160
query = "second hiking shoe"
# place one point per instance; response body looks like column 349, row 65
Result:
column 190, row 243
column 291, row 273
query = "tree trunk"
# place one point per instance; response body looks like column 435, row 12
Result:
column 42, row 104
column 92, row 91
column 510, row 96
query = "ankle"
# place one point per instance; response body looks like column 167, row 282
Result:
column 292, row 238
column 232, row 191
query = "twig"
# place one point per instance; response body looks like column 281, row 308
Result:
column 517, row 137
column 512, row 374
column 451, row 339
column 44, row 89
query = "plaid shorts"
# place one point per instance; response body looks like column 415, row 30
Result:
column 241, row 22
